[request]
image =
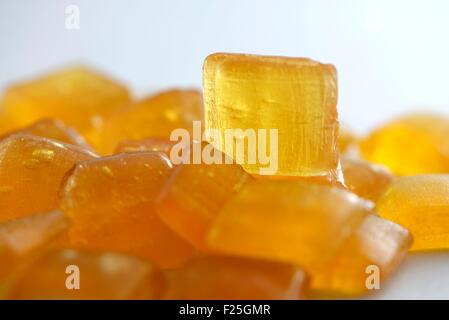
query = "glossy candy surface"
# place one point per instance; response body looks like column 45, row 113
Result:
column 79, row 96
column 55, row 130
column 410, row 145
column 378, row 245
column 111, row 204
column 156, row 116
column 31, row 171
column 295, row 96
column 226, row 278
column 100, row 276
column 421, row 204
column 194, row 195
column 288, row 221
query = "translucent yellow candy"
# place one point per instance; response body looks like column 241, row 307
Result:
column 111, row 204
column 377, row 245
column 31, row 172
column 365, row 179
column 289, row 221
column 413, row 144
column 421, row 204
column 194, row 195
column 78, row 96
column 21, row 240
column 296, row 96
column 101, row 276
column 156, row 116
column 53, row 129
column 218, row 278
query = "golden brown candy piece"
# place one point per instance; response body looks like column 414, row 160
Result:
column 53, row 129
column 295, row 96
column 24, row 238
column 79, row 96
column 410, row 145
column 289, row 221
column 156, row 116
column 148, row 144
column 59, row 273
column 195, row 194
column 369, row 256
column 226, row 278
column 110, row 202
column 365, row 179
column 31, row 171
column 421, row 204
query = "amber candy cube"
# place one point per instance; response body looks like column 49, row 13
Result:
column 377, row 243
column 295, row 96
column 55, row 130
column 231, row 278
column 365, row 179
column 156, row 116
column 195, row 193
column 289, row 221
column 79, row 96
column 410, row 145
column 31, row 171
column 101, row 276
column 111, row 204
column 421, row 204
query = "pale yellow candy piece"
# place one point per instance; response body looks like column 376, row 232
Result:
column 409, row 145
column 421, row 204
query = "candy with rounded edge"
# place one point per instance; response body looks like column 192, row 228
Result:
column 53, row 129
column 71, row 274
column 31, row 171
column 410, row 145
column 371, row 254
column 421, row 204
column 156, row 116
column 289, row 221
column 194, row 195
column 111, row 205
column 230, row 278
column 77, row 95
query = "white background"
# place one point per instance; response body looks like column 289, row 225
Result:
column 392, row 57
